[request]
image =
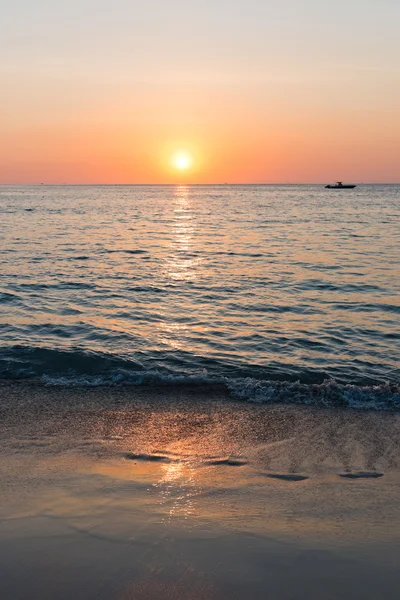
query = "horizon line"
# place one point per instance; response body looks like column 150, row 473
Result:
column 194, row 184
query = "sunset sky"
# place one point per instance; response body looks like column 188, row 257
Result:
column 155, row 91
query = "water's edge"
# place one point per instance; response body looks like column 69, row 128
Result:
column 82, row 369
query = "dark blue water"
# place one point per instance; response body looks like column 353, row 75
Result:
column 279, row 293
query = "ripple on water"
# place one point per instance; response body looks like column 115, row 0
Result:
column 156, row 458
column 229, row 462
column 242, row 284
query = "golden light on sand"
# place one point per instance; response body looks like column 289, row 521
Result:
column 182, row 161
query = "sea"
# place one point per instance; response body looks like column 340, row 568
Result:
column 285, row 294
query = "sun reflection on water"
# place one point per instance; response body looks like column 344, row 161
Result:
column 182, row 268
column 181, row 261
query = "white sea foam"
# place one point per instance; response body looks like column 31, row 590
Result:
column 329, row 394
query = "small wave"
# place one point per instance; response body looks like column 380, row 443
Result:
column 244, row 254
column 59, row 285
column 367, row 307
column 6, row 297
column 329, row 394
column 127, row 251
column 148, row 457
column 91, row 369
column 318, row 284
column 229, row 462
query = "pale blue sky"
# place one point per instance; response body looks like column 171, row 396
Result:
column 232, row 39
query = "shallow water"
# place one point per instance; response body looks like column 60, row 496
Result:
column 252, row 287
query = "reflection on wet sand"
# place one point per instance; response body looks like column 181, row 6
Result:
column 147, row 493
column 188, row 431
column 177, row 490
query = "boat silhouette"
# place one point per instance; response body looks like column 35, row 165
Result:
column 339, row 185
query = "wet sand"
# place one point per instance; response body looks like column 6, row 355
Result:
column 134, row 493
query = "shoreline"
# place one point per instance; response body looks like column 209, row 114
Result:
column 329, row 394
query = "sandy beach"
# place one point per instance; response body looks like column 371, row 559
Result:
column 150, row 493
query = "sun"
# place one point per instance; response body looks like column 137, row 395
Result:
column 182, row 161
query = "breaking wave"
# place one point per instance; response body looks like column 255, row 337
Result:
column 79, row 368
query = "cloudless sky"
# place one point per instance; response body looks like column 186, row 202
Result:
column 254, row 90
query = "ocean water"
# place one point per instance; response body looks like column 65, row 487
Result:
column 278, row 293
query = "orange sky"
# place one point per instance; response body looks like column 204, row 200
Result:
column 263, row 95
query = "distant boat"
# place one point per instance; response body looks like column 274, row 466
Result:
column 339, row 185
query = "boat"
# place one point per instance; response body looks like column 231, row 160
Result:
column 339, row 185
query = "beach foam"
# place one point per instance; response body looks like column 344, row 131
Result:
column 90, row 369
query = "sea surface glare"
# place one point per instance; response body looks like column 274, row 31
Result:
column 279, row 293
